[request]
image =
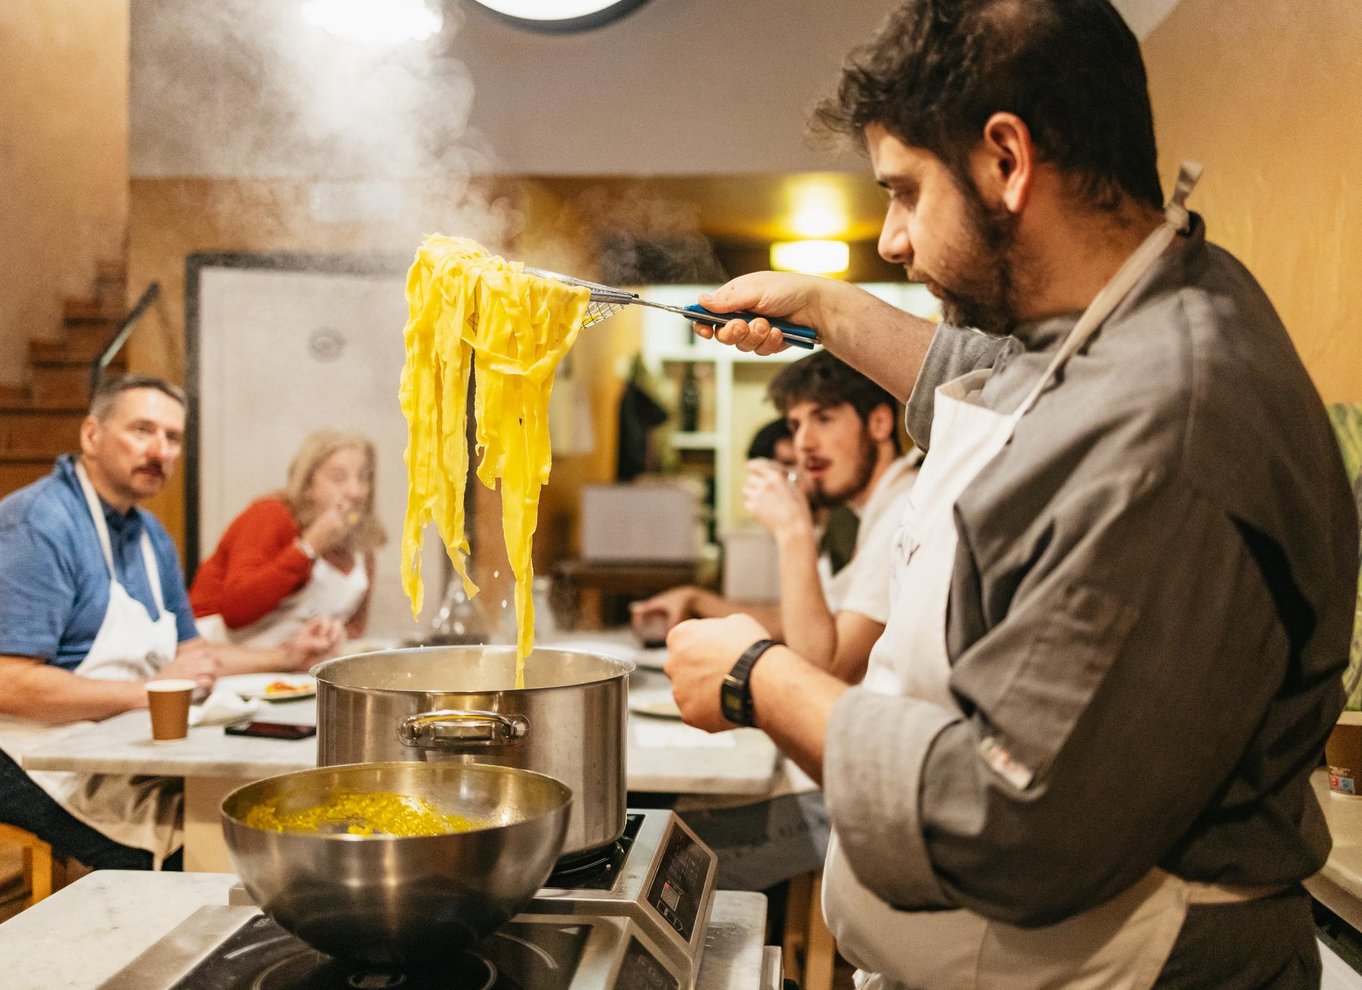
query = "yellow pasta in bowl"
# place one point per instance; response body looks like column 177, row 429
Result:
column 471, row 312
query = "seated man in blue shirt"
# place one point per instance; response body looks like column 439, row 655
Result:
column 92, row 606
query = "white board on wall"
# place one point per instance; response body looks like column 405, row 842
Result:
column 283, row 351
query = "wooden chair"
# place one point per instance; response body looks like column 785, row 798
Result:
column 809, row 950
column 37, row 859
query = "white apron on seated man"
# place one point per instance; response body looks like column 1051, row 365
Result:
column 1131, row 499
column 92, row 606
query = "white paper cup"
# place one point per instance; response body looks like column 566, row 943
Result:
column 168, row 701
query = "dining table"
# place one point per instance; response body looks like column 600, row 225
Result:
column 664, row 757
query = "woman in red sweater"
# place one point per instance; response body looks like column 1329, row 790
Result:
column 303, row 552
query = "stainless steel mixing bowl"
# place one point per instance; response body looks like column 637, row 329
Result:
column 387, row 900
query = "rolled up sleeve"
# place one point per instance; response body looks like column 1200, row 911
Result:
column 1137, row 650
column 954, row 351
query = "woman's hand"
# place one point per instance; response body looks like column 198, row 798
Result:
column 773, row 498
column 317, row 640
column 330, row 528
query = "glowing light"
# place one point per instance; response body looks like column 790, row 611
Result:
column 547, row 10
column 811, row 257
column 374, row 20
column 817, row 208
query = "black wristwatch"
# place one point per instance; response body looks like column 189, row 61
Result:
column 735, row 693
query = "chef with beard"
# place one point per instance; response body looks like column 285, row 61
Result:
column 1124, row 581
column 92, row 606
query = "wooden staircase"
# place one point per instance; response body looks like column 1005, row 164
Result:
column 41, row 419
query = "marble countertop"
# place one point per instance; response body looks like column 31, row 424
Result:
column 85, row 933
column 1339, row 884
column 665, row 755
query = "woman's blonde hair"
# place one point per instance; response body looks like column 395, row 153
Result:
column 367, row 534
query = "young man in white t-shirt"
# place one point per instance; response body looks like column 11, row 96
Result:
column 845, row 434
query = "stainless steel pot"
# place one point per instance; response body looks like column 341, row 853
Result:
column 397, row 900
column 460, row 703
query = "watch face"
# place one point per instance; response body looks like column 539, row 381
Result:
column 559, row 16
column 732, row 702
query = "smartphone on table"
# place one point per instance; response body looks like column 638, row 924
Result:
column 271, row 730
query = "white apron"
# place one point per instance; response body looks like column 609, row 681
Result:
column 329, row 591
column 142, row 812
column 1120, row 945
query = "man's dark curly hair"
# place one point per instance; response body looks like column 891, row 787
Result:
column 1071, row 69
column 827, row 381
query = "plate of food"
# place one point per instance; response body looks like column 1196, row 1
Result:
column 657, row 702
column 270, row 687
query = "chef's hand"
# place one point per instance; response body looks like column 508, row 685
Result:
column 654, row 617
column 700, row 653
column 195, row 661
column 331, row 526
column 774, row 500
column 780, row 295
column 317, row 640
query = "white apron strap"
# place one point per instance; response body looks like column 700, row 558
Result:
column 1175, row 221
column 105, row 544
column 96, row 514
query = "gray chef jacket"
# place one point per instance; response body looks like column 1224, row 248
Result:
column 1150, row 608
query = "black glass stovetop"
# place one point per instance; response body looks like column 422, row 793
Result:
column 518, row 956
column 535, row 956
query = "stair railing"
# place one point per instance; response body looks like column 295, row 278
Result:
column 121, row 335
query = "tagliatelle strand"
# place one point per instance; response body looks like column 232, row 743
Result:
column 469, row 310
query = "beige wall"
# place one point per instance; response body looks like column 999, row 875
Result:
column 1267, row 95
column 174, row 218
column 1262, row 92
column 63, row 160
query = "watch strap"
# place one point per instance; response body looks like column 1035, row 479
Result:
column 735, row 692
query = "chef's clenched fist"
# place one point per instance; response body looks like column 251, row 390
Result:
column 700, row 652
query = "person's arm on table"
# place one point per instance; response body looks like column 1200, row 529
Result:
column 314, row 642
column 879, row 340
column 689, row 601
column 32, row 689
column 792, row 698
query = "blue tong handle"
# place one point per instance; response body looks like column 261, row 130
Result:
column 794, row 333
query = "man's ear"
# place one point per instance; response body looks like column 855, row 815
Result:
column 1004, row 163
column 880, row 423
column 89, row 431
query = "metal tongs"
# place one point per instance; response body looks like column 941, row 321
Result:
column 606, row 301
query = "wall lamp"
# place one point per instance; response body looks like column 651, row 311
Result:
column 811, row 257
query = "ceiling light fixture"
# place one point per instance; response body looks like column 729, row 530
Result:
column 811, row 257
column 374, row 20
column 560, row 15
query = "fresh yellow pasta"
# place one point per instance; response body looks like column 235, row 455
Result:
column 469, row 310
column 367, row 813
